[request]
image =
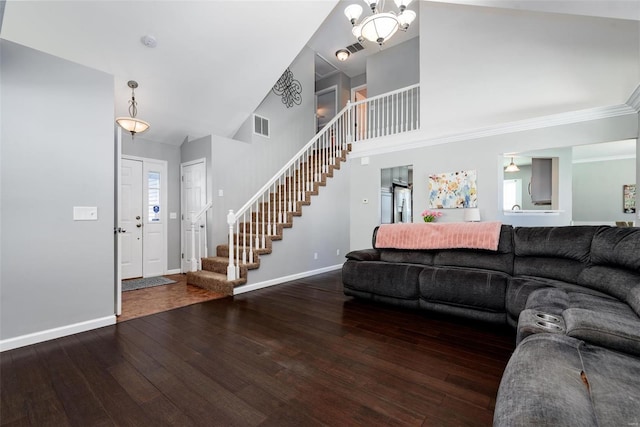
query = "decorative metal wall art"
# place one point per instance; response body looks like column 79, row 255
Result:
column 289, row 88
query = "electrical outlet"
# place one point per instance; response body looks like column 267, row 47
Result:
column 365, row 201
column 315, row 255
column 337, row 252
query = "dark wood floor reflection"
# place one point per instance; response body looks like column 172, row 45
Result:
column 143, row 302
column 299, row 354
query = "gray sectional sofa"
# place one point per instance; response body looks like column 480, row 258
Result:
column 571, row 293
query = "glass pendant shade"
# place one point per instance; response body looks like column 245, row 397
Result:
column 512, row 167
column 401, row 4
column 353, row 12
column 379, row 27
column 132, row 125
column 406, row 18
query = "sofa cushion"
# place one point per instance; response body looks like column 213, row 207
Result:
column 542, row 385
column 475, row 259
column 558, row 380
column 615, row 326
column 558, row 253
column 479, row 289
column 382, row 278
column 617, row 246
column 407, row 256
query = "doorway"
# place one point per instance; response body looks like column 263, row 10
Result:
column 193, row 199
column 142, row 217
column 359, row 93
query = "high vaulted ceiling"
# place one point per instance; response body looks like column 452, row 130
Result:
column 213, row 64
column 215, row 59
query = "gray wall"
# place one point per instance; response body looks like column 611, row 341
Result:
column 343, row 84
column 394, row 68
column 140, row 147
column 485, row 155
column 57, row 152
column 597, row 190
column 323, row 229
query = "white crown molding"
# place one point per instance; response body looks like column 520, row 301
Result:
column 411, row 140
column 634, row 99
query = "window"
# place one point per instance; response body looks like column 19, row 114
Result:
column 153, row 202
column 512, row 194
column 260, row 125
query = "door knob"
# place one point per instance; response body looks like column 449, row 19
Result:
column 138, row 225
column 138, row 217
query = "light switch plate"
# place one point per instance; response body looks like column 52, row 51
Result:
column 85, row 213
column 173, row 215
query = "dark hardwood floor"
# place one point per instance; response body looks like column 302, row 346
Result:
column 299, row 354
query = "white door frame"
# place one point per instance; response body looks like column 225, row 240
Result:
column 183, row 239
column 116, row 227
column 163, row 205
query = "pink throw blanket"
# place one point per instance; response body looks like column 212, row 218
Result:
column 452, row 235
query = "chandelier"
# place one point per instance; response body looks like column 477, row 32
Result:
column 131, row 124
column 380, row 26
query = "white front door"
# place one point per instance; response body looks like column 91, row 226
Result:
column 131, row 218
column 194, row 198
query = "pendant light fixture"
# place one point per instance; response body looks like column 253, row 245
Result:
column 380, row 25
column 512, row 167
column 132, row 124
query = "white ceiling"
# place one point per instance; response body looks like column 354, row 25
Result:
column 216, row 59
column 214, row 63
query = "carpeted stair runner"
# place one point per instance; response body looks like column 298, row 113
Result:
column 213, row 275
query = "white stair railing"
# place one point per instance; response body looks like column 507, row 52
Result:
column 274, row 204
column 196, row 262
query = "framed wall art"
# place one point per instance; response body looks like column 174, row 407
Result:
column 629, row 198
column 452, row 190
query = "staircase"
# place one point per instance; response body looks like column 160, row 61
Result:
column 213, row 275
column 261, row 221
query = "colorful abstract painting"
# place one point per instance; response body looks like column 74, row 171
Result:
column 453, row 190
column 629, row 192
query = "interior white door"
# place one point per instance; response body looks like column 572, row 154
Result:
column 194, row 198
column 131, row 218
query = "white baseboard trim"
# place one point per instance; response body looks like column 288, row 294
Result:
column 174, row 271
column 50, row 334
column 254, row 287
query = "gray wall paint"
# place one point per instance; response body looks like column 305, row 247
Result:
column 140, row 147
column 343, row 84
column 485, row 155
column 597, row 190
column 359, row 80
column 323, row 228
column 481, row 66
column 394, row 68
column 54, row 271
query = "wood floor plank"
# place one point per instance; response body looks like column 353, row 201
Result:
column 300, row 353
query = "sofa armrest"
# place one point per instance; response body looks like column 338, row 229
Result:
column 617, row 331
column 548, row 300
column 364, row 255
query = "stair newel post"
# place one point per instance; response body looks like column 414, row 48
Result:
column 231, row 268
column 193, row 261
column 262, row 218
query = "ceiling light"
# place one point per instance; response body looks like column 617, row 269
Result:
column 149, row 41
column 512, row 167
column 380, row 26
column 342, row 55
column 131, row 124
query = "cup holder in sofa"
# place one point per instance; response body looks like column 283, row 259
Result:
column 549, row 325
column 536, row 322
column 546, row 317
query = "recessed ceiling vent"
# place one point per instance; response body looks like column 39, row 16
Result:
column 356, row 47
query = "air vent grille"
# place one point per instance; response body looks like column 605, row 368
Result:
column 356, row 47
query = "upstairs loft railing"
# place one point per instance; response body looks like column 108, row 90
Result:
column 291, row 187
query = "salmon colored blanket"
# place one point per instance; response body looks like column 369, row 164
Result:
column 452, row 235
